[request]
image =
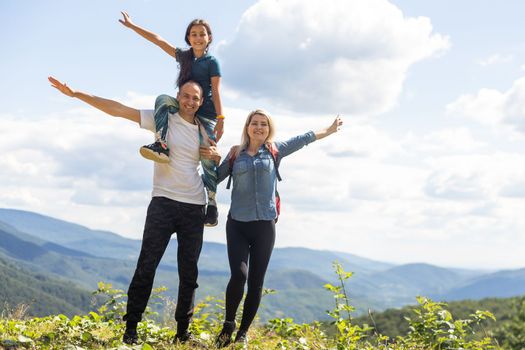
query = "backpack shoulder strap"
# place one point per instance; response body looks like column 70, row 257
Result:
column 232, row 155
column 274, row 151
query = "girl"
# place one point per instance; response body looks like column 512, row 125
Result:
column 250, row 228
column 195, row 64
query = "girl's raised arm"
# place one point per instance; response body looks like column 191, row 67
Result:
column 150, row 36
column 216, row 97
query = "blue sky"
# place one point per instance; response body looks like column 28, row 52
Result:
column 429, row 166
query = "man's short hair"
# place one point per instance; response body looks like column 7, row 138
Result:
column 195, row 83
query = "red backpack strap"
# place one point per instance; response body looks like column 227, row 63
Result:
column 274, row 151
column 232, row 156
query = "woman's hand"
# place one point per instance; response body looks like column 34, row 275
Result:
column 329, row 130
column 62, row 87
column 127, row 20
column 210, row 152
column 335, row 125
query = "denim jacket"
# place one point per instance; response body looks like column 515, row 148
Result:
column 254, row 179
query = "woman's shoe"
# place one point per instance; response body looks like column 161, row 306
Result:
column 241, row 340
column 225, row 336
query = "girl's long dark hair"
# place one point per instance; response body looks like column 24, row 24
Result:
column 186, row 57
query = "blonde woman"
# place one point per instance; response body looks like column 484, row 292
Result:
column 250, row 228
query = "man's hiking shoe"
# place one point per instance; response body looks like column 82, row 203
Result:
column 130, row 337
column 225, row 336
column 212, row 216
column 157, row 152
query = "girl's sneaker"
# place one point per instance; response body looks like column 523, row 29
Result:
column 157, row 152
column 212, row 216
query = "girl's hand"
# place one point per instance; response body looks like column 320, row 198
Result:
column 127, row 20
column 335, row 125
column 62, row 87
column 219, row 129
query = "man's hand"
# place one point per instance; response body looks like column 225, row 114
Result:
column 62, row 87
column 210, row 152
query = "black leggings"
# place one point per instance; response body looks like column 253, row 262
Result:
column 252, row 240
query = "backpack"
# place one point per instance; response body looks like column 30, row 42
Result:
column 274, row 153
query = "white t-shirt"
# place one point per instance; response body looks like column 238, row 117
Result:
column 179, row 179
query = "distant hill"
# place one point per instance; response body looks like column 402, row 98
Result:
column 320, row 261
column 56, row 248
column 501, row 284
column 51, row 258
column 213, row 256
column 70, row 235
column 415, row 279
column 44, row 295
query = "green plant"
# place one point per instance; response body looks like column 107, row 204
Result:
column 435, row 328
column 348, row 334
column 512, row 333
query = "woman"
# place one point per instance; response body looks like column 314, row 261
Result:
column 250, row 228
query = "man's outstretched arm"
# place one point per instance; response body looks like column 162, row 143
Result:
column 110, row 107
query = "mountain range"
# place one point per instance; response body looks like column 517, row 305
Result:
column 53, row 265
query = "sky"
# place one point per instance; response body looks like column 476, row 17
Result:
column 429, row 165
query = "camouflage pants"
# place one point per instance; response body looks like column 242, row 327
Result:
column 164, row 217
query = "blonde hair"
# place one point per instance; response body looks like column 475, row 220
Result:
column 245, row 138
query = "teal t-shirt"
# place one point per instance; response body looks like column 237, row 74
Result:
column 202, row 70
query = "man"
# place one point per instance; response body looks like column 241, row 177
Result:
column 177, row 205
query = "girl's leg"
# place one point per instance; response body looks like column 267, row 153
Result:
column 262, row 234
column 158, row 151
column 209, row 169
column 164, row 105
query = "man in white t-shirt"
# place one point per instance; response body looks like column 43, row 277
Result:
column 177, row 205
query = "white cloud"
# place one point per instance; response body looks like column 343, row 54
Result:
column 496, row 58
column 514, row 190
column 492, row 107
column 336, row 57
column 486, row 106
column 461, row 197
column 362, row 190
column 445, row 141
column 455, row 185
column 73, row 164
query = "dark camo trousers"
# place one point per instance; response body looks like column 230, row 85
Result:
column 164, row 217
